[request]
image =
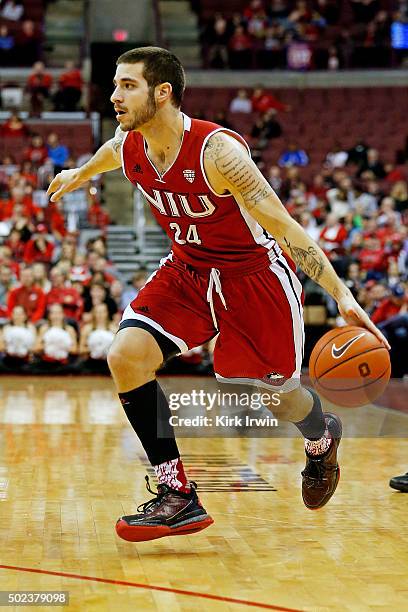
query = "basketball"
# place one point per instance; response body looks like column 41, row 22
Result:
column 349, row 366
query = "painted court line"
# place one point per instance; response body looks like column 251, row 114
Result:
column 151, row 587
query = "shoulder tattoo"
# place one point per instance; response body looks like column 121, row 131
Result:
column 238, row 169
column 117, row 140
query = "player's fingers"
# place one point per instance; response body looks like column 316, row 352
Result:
column 60, row 192
column 55, row 183
column 370, row 325
column 378, row 334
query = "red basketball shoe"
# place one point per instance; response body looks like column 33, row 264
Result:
column 169, row 513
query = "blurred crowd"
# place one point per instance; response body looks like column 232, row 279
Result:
column 302, row 34
column 43, row 92
column 21, row 32
column 60, row 298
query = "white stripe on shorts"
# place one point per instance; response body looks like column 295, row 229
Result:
column 129, row 313
column 293, row 292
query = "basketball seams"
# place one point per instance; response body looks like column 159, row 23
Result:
column 335, row 336
column 370, row 350
column 356, row 388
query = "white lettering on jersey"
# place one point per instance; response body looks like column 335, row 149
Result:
column 173, row 206
column 205, row 201
column 156, row 201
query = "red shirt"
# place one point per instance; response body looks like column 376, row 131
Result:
column 385, row 310
column 207, row 230
column 332, row 238
column 97, row 216
column 7, row 131
column 33, row 254
column 35, row 81
column 32, row 299
column 370, row 259
column 71, row 78
column 17, row 249
column 57, row 223
column 240, row 42
column 29, row 209
column 36, row 155
column 69, row 299
column 266, row 101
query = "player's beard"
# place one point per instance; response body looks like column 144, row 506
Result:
column 142, row 115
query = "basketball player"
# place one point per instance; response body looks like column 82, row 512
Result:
column 231, row 271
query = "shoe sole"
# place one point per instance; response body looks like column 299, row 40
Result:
column 146, row 533
column 399, row 487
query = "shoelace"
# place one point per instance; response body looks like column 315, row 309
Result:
column 315, row 472
column 149, row 506
column 162, row 491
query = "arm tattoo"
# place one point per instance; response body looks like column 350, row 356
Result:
column 309, row 261
column 239, row 172
column 117, row 140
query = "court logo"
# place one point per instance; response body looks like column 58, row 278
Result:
column 189, row 175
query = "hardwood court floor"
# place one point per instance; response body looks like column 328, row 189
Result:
column 70, row 465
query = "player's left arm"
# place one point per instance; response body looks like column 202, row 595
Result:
column 230, row 169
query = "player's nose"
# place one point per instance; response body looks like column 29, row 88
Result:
column 116, row 97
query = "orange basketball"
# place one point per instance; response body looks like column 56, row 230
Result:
column 349, row 366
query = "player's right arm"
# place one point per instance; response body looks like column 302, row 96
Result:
column 107, row 157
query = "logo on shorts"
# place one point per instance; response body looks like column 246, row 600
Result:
column 274, row 376
column 137, row 169
column 189, row 175
column 338, row 352
column 143, row 308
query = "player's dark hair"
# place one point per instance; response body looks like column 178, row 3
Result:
column 159, row 66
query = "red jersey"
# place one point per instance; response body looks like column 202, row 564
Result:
column 206, row 229
column 32, row 299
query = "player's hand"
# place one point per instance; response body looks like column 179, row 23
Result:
column 64, row 182
column 353, row 314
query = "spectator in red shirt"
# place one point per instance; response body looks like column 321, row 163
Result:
column 332, row 236
column 263, row 101
column 240, row 46
column 391, row 306
column 68, row 297
column 14, row 127
column 37, row 152
column 19, row 201
column 27, row 295
column 29, row 174
column 15, row 244
column 57, row 220
column 38, row 86
column 97, row 215
column 70, row 88
column 372, row 256
column 39, row 248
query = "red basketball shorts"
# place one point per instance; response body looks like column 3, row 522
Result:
column 258, row 317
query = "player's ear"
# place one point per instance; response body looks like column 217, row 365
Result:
column 163, row 92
